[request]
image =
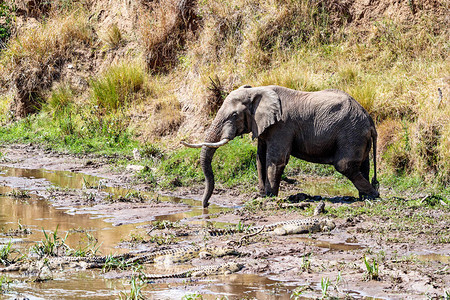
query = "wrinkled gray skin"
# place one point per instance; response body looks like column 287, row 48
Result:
column 327, row 127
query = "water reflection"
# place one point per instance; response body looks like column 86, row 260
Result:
column 37, row 213
column 329, row 245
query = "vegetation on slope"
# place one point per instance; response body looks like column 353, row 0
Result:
column 106, row 86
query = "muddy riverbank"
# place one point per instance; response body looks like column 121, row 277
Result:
column 405, row 241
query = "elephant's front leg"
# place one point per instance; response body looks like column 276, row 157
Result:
column 261, row 166
column 276, row 161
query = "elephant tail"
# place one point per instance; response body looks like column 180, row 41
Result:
column 375, row 183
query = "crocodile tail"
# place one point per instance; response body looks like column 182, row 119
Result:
column 156, row 276
column 220, row 232
column 164, row 276
column 374, row 145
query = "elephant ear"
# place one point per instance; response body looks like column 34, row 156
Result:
column 266, row 110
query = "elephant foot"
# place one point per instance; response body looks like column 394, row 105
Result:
column 371, row 196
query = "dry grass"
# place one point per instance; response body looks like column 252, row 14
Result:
column 34, row 59
column 166, row 117
column 112, row 36
column 164, row 30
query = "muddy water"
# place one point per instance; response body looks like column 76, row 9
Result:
column 37, row 214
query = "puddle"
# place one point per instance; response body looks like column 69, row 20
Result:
column 36, row 213
column 326, row 187
column 328, row 245
column 234, row 286
column 434, row 257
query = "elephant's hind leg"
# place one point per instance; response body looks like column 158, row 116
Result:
column 365, row 168
column 358, row 174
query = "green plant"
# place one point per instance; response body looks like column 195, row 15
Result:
column 151, row 151
column 194, row 296
column 60, row 100
column 21, row 194
column 112, row 36
column 7, row 11
column 117, row 86
column 371, row 269
column 5, row 253
column 163, row 239
column 241, row 227
column 21, row 230
column 113, row 263
column 324, row 285
column 133, row 196
column 296, row 294
column 51, row 244
column 4, row 283
column 88, row 184
column 306, row 262
column 165, row 224
column 338, row 280
column 136, row 285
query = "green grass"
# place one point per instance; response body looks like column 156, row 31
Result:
column 5, row 253
column 113, row 263
column 7, row 11
column 118, row 86
column 371, row 269
column 86, row 247
column 233, row 165
column 421, row 218
column 51, row 244
column 137, row 284
column 80, row 131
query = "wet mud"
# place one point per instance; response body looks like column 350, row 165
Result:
column 81, row 196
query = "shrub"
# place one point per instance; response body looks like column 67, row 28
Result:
column 117, row 86
column 398, row 152
column 34, row 59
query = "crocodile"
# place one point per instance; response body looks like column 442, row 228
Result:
column 88, row 262
column 301, row 226
column 222, row 269
column 183, row 254
column 85, row 262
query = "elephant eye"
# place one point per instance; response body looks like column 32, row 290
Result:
column 234, row 115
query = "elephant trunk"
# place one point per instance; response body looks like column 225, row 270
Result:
column 206, row 156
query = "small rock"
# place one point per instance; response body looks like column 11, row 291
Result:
column 136, row 168
column 320, row 208
column 136, row 154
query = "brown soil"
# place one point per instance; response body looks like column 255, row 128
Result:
column 411, row 264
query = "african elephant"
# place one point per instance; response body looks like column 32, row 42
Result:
column 327, row 127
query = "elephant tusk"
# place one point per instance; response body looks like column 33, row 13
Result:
column 191, row 145
column 211, row 145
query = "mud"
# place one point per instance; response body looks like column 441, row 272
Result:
column 91, row 194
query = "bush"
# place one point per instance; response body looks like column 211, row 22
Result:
column 117, row 86
column 233, row 165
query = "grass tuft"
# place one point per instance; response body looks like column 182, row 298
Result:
column 117, row 86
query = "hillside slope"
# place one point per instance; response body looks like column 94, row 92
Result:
column 93, row 72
